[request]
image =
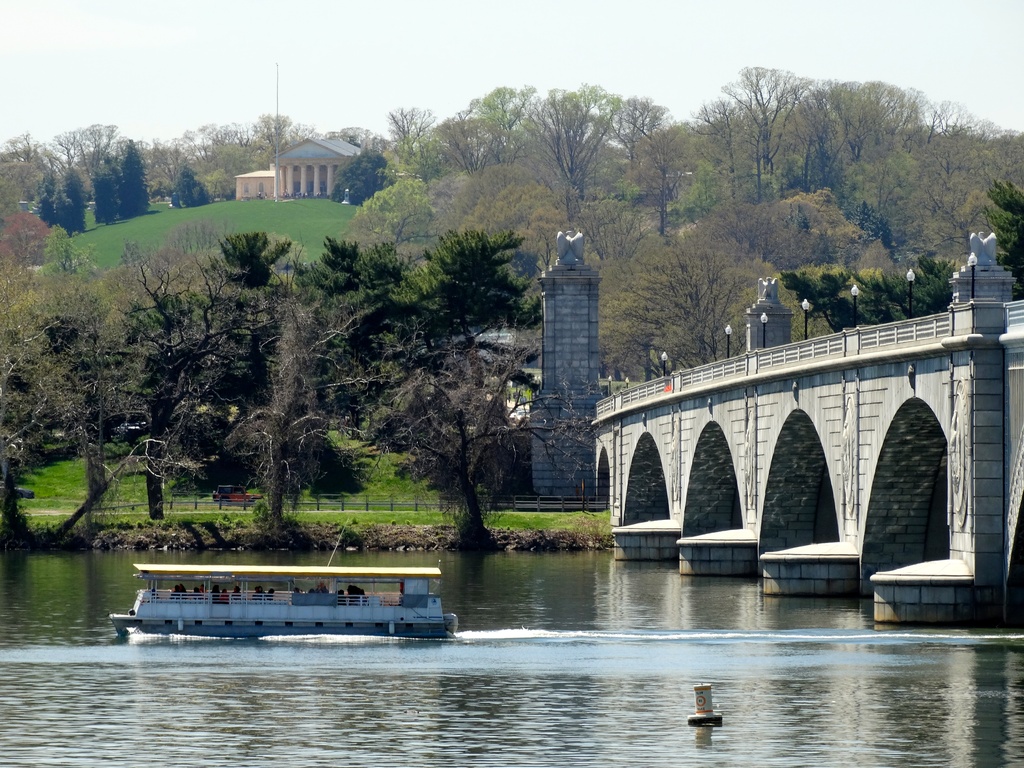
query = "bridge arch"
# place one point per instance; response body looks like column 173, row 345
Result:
column 712, row 496
column 905, row 520
column 799, row 505
column 603, row 481
column 646, row 488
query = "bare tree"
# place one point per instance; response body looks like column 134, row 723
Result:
column 24, row 394
column 456, row 421
column 571, row 129
column 465, row 142
column 767, row 98
column 637, row 119
column 719, row 122
column 286, row 435
column 411, row 124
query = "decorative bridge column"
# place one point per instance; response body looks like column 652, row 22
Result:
column 563, row 443
column 769, row 323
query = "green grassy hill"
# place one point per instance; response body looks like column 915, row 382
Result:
column 306, row 222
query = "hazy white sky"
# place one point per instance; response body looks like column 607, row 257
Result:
column 158, row 69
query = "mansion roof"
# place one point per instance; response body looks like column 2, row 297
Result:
column 319, row 149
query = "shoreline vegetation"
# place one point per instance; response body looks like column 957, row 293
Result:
column 546, row 532
column 387, row 512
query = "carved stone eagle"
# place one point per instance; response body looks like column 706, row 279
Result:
column 984, row 250
column 569, row 248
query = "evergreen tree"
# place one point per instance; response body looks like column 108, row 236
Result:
column 132, row 191
column 467, row 287
column 1007, row 220
column 191, row 192
column 71, row 205
column 105, row 191
column 49, row 194
column 363, row 178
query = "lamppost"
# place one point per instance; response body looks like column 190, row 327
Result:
column 854, row 292
column 972, row 262
column 805, row 305
column 910, row 293
column 664, row 363
column 728, row 340
column 764, row 329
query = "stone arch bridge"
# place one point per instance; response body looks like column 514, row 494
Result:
column 883, row 460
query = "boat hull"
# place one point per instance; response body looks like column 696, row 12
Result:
column 126, row 624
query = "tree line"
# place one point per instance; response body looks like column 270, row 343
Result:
column 777, row 174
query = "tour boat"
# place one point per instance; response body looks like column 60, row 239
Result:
column 264, row 600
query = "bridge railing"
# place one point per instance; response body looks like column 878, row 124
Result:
column 847, row 343
column 1014, row 314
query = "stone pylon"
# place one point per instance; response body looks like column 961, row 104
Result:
column 777, row 327
column 563, row 441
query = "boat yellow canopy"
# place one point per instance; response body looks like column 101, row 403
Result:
column 162, row 570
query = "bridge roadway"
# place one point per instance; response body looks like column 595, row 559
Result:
column 882, row 460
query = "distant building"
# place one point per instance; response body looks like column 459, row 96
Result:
column 307, row 169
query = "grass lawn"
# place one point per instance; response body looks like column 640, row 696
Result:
column 306, row 222
column 60, row 485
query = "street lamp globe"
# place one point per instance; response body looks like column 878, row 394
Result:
column 764, row 329
column 664, row 363
column 910, row 293
column 728, row 340
column 972, row 262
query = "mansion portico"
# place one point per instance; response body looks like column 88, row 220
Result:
column 306, row 169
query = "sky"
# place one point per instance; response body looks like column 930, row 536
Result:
column 156, row 70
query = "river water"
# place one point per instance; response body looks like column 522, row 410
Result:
column 560, row 660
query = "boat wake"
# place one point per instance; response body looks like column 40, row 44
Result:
column 858, row 636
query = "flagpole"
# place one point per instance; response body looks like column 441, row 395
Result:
column 277, row 127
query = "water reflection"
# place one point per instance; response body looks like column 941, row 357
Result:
column 564, row 660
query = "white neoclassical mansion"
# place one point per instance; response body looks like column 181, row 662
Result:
column 305, row 169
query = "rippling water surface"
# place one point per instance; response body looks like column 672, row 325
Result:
column 561, row 660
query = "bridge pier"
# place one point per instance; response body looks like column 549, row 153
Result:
column 936, row 592
column 726, row 553
column 650, row 540
column 816, row 569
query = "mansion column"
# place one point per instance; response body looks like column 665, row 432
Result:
column 289, row 172
column 316, row 179
column 303, row 178
column 330, row 179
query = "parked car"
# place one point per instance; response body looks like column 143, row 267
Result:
column 25, row 493
column 131, row 429
column 234, row 494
